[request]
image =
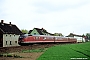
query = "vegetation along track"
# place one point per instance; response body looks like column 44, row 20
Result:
column 20, row 48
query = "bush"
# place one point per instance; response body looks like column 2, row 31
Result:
column 9, row 55
column 1, row 55
column 35, row 50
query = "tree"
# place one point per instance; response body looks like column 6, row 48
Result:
column 58, row 34
column 88, row 36
column 24, row 31
column 83, row 35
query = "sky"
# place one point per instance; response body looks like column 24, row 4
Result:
column 56, row 16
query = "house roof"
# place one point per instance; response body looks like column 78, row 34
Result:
column 41, row 31
column 30, row 31
column 9, row 28
column 72, row 35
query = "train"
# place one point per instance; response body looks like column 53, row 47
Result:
column 27, row 39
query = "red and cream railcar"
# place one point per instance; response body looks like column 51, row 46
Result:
column 29, row 39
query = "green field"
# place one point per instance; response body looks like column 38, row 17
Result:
column 79, row 51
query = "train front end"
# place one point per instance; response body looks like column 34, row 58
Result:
column 21, row 39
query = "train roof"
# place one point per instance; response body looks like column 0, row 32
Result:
column 47, row 36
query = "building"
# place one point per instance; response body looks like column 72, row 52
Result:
column 79, row 38
column 9, row 34
column 38, row 31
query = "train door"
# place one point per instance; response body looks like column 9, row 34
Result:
column 1, row 40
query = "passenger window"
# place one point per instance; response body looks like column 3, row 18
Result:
column 36, row 38
column 44, row 38
column 55, row 38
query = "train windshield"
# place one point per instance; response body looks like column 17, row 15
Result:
column 24, row 35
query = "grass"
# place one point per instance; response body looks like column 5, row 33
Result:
column 67, row 52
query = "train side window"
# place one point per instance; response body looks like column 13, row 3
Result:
column 52, row 38
column 36, row 38
column 47, row 37
column 55, row 38
column 44, row 38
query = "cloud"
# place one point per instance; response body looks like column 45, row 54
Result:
column 64, row 16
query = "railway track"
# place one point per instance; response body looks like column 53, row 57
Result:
column 30, row 47
column 20, row 48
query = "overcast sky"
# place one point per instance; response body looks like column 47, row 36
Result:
column 56, row 16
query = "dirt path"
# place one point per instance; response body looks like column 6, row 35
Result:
column 25, row 56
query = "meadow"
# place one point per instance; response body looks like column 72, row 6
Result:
column 78, row 51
